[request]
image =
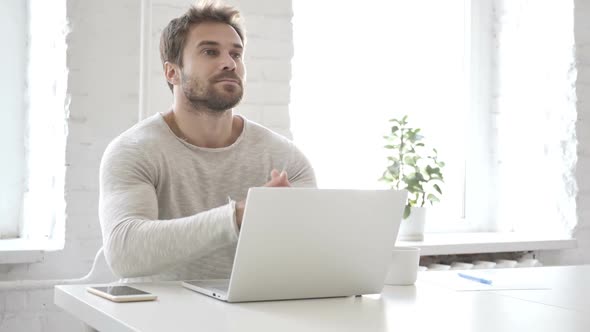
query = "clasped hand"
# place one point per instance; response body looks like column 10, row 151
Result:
column 276, row 180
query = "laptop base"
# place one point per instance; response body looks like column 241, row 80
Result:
column 216, row 288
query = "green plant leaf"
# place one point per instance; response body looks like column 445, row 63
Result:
column 410, row 160
column 419, row 177
column 407, row 211
column 436, row 176
column 429, row 170
column 411, row 165
column 386, row 177
column 432, row 198
column 437, row 188
column 433, row 172
column 395, row 166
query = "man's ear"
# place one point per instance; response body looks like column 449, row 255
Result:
column 172, row 73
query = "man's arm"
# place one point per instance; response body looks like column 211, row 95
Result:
column 135, row 242
column 296, row 164
column 301, row 173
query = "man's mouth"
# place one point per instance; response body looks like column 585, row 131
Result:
column 229, row 80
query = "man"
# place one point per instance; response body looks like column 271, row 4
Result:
column 173, row 187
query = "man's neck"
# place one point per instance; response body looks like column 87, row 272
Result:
column 205, row 128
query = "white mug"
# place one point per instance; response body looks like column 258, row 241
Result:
column 403, row 268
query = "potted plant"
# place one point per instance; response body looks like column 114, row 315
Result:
column 416, row 168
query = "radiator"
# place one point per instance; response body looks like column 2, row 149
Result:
column 497, row 264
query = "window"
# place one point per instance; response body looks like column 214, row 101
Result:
column 355, row 67
column 13, row 30
column 34, row 131
column 44, row 201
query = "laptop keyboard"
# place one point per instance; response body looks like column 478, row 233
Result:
column 222, row 288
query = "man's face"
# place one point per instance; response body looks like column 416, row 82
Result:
column 213, row 71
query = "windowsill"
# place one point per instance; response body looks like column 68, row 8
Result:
column 20, row 251
column 474, row 243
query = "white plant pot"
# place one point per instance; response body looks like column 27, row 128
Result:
column 412, row 229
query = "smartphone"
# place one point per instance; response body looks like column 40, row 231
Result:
column 121, row 293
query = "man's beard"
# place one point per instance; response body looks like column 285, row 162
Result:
column 204, row 95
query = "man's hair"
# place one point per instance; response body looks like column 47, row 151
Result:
column 174, row 35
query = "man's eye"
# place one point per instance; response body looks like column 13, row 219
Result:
column 237, row 55
column 210, row 52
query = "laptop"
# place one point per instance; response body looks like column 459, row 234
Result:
column 299, row 243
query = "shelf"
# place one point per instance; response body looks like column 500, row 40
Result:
column 472, row 243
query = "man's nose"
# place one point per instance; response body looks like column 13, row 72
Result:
column 228, row 62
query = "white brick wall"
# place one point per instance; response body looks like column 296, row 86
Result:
column 34, row 311
column 582, row 35
column 535, row 84
column 582, row 230
column 103, row 60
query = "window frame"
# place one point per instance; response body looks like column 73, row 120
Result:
column 479, row 201
column 41, row 217
column 13, row 18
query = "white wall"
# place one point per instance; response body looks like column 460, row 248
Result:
column 103, row 57
column 582, row 230
column 534, row 84
column 104, row 62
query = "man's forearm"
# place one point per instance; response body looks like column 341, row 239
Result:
column 140, row 247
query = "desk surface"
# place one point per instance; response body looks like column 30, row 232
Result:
column 425, row 306
column 567, row 287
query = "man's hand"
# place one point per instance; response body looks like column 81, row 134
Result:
column 276, row 180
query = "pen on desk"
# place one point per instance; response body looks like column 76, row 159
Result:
column 472, row 278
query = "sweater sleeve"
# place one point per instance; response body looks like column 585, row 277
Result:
column 136, row 243
column 299, row 169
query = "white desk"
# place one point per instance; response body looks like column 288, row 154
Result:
column 424, row 307
column 570, row 287
column 567, row 286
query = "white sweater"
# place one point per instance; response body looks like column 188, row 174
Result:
column 164, row 207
